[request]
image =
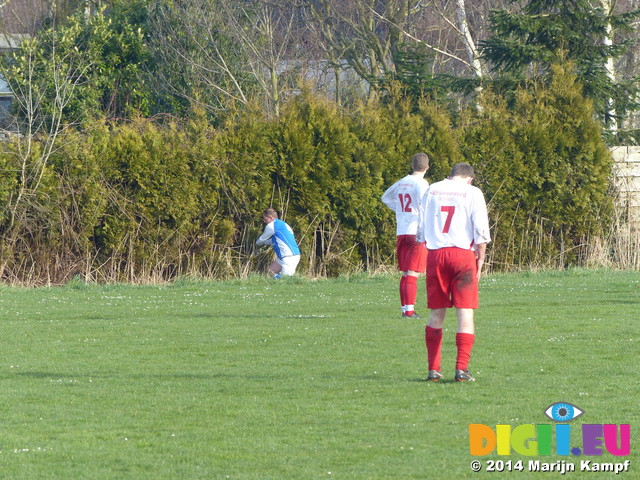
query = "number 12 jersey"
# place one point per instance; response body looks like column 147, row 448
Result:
column 404, row 198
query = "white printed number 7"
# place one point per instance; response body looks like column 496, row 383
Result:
column 447, row 223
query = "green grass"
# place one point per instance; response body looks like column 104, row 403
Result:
column 301, row 379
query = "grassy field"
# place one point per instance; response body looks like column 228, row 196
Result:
column 302, row 379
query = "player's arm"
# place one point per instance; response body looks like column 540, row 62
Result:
column 421, row 236
column 481, row 234
column 481, row 251
column 390, row 197
column 265, row 238
column 480, row 218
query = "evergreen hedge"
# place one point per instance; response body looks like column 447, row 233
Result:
column 150, row 201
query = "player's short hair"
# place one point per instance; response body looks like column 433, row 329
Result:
column 270, row 212
column 462, row 169
column 419, row 162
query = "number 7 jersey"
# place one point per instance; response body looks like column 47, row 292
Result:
column 404, row 197
column 454, row 214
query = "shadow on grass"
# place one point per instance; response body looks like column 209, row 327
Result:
column 189, row 376
column 210, row 376
column 264, row 378
column 444, row 381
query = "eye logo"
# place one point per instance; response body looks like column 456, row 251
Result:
column 562, row 412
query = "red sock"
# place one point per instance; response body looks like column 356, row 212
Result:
column 410, row 290
column 403, row 283
column 464, row 342
column 433, row 339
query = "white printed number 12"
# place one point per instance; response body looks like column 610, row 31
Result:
column 447, row 223
column 405, row 202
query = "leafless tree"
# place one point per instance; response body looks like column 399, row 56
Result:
column 364, row 33
column 41, row 103
column 628, row 65
column 226, row 49
column 368, row 33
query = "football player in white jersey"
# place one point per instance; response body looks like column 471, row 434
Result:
column 404, row 197
column 455, row 225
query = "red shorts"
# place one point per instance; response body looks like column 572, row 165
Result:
column 412, row 255
column 451, row 278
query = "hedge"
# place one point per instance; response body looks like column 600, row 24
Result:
column 149, row 200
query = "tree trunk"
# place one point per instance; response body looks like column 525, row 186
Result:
column 470, row 46
column 612, row 121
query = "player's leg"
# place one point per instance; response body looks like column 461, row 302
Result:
column 465, row 320
column 275, row 268
column 465, row 299
column 400, row 255
column 438, row 301
column 433, row 341
column 403, row 288
column 436, row 318
column 410, row 293
column 416, row 263
column 465, row 338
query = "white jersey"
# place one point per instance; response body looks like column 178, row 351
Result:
column 454, row 214
column 404, row 197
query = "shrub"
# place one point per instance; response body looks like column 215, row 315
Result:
column 545, row 171
column 155, row 200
